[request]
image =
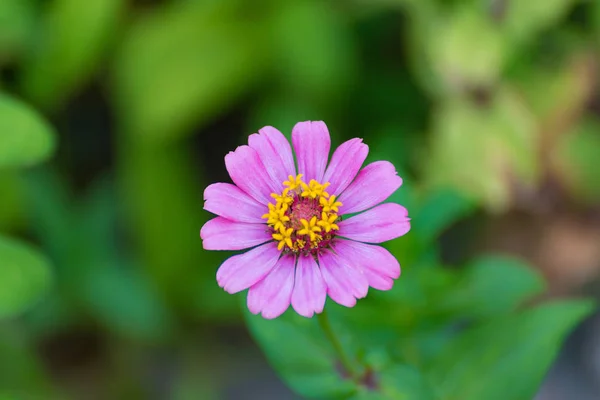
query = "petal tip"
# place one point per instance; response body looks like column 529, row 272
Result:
column 305, row 313
column 271, row 315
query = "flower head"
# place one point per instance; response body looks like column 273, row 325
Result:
column 302, row 248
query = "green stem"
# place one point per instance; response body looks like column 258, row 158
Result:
column 345, row 360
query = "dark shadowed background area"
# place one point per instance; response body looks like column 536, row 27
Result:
column 489, row 109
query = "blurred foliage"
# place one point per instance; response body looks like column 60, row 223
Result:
column 24, row 275
column 481, row 104
column 199, row 74
column 69, row 46
column 25, row 139
column 449, row 334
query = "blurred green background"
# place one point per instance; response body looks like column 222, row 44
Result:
column 116, row 114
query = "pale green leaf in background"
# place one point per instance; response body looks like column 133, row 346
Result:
column 25, row 138
column 182, row 65
column 523, row 20
column 481, row 150
column 24, row 277
column 74, row 37
column 467, row 49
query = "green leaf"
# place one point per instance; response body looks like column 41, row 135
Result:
column 74, row 39
column 411, row 319
column 377, row 319
column 508, row 357
column 24, row 277
column 467, row 48
column 438, row 211
column 182, row 64
column 523, row 20
column 25, row 138
column 492, row 285
column 399, row 382
column 298, row 351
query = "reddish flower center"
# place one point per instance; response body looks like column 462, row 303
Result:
column 303, row 208
column 303, row 217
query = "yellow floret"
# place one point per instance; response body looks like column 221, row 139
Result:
column 284, row 237
column 293, row 183
column 276, row 216
column 282, row 198
column 310, row 228
column 314, row 189
column 327, row 222
column 330, row 204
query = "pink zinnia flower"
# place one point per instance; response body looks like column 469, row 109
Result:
column 302, row 249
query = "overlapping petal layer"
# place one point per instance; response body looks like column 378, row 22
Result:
column 223, row 234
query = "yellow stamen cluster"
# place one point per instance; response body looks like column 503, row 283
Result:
column 282, row 198
column 327, row 222
column 284, row 237
column 310, row 228
column 314, row 189
column 303, row 216
column 276, row 216
column 330, row 204
column 293, row 183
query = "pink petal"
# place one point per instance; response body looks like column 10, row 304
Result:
column 311, row 142
column 378, row 281
column 380, row 224
column 377, row 264
column 231, row 202
column 249, row 174
column 344, row 283
column 374, row 184
column 242, row 271
column 222, row 234
column 310, row 291
column 275, row 152
column 345, row 164
column 272, row 295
